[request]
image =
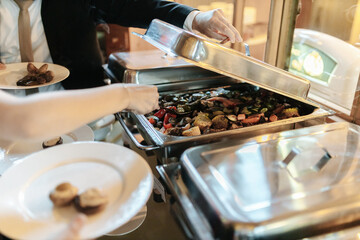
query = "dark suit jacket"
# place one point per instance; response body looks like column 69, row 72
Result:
column 70, row 31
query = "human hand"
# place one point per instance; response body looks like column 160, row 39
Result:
column 2, row 66
column 214, row 25
column 105, row 27
column 73, row 228
column 142, row 98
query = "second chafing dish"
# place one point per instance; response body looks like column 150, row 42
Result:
column 233, row 68
column 288, row 185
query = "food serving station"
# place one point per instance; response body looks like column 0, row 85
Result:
column 293, row 177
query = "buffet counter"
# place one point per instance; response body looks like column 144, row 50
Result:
column 282, row 179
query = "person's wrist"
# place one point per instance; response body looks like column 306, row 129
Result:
column 188, row 24
column 124, row 96
column 195, row 23
column 2, row 66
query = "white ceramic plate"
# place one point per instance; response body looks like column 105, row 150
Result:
column 18, row 149
column 131, row 225
column 27, row 212
column 15, row 71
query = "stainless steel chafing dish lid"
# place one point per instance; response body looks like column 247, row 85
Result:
column 153, row 67
column 215, row 57
column 304, row 180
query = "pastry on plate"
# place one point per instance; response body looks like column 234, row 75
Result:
column 63, row 194
column 36, row 76
column 52, row 142
column 91, row 201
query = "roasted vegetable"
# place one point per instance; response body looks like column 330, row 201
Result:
column 194, row 131
column 191, row 114
column 224, row 101
column 290, row 112
column 160, row 114
column 220, row 121
column 43, row 69
column 202, row 121
column 36, row 76
column 167, row 123
column 273, row 118
column 31, row 68
column 52, row 142
column 231, row 118
column 241, row 117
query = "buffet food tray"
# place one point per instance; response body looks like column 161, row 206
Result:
column 234, row 68
column 288, row 185
column 169, row 148
column 152, row 67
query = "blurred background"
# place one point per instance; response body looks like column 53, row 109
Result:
column 340, row 19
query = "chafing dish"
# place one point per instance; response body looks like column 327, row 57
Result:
column 152, row 67
column 231, row 68
column 294, row 184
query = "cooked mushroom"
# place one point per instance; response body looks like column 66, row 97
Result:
column 91, row 201
column 28, row 80
column 36, row 76
column 273, row 118
column 235, row 126
column 48, row 76
column 52, row 142
column 63, row 194
column 31, row 68
column 43, row 68
column 231, row 118
column 221, row 109
column 194, row 131
column 202, row 121
column 290, row 112
column 219, row 122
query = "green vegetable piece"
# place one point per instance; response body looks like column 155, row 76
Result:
column 263, row 110
column 218, row 113
column 227, row 110
column 246, row 111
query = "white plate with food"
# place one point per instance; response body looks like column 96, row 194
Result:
column 13, row 150
column 43, row 74
column 120, row 174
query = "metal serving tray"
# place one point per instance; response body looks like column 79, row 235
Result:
column 169, row 148
column 287, row 185
column 152, row 67
column 234, row 68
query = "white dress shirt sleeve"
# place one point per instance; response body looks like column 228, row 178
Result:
column 189, row 20
column 45, row 115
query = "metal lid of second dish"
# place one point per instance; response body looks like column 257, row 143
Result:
column 279, row 183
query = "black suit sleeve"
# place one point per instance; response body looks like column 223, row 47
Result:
column 71, row 34
column 139, row 13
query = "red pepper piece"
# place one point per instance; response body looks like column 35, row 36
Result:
column 167, row 116
column 160, row 114
column 224, row 101
column 169, row 125
column 273, row 118
column 255, row 118
column 152, row 121
column 166, row 123
column 241, row 116
column 252, row 120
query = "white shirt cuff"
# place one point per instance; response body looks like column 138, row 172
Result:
column 189, row 20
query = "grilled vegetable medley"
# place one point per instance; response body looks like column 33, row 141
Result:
column 191, row 114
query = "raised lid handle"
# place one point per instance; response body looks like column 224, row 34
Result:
column 297, row 153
